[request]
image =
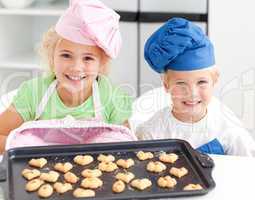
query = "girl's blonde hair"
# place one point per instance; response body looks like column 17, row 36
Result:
column 47, row 47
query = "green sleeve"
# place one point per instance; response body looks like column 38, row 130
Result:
column 29, row 96
column 121, row 107
column 22, row 101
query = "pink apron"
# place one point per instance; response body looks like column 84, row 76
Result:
column 67, row 130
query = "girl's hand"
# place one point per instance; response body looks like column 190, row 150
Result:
column 10, row 119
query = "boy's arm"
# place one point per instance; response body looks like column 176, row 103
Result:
column 9, row 120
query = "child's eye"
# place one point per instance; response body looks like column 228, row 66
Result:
column 65, row 55
column 202, row 82
column 180, row 83
column 88, row 58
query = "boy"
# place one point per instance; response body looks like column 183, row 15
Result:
column 183, row 54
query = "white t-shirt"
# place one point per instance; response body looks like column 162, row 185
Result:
column 220, row 123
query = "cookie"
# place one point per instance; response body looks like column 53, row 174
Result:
column 91, row 183
column 156, row 167
column 106, row 158
column 30, row 174
column 81, row 193
column 166, row 182
column 89, row 173
column 45, row 191
column 107, row 167
column 39, row 163
column 178, row 172
column 126, row 177
column 63, row 167
column 168, row 158
column 51, row 176
column 118, row 187
column 193, row 187
column 125, row 163
column 83, row 160
column 71, row 178
column 34, row 185
column 62, row 187
column 144, row 155
column 141, row 184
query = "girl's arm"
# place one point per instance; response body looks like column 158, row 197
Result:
column 9, row 120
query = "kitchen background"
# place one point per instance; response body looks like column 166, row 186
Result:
column 229, row 24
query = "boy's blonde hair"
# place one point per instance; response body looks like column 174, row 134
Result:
column 47, row 47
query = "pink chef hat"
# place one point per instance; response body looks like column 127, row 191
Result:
column 90, row 22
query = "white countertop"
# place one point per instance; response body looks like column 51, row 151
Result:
column 234, row 177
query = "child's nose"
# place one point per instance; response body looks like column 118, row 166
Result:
column 79, row 65
column 194, row 91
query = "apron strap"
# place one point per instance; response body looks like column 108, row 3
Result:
column 45, row 99
column 96, row 101
column 50, row 91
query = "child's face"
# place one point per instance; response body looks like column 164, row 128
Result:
column 76, row 66
column 191, row 92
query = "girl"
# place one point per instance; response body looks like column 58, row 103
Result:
column 78, row 51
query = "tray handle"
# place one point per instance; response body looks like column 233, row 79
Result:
column 204, row 160
column 207, row 164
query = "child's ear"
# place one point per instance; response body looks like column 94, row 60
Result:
column 216, row 76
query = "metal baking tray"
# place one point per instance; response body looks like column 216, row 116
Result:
column 200, row 167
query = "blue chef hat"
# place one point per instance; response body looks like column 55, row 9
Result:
column 179, row 45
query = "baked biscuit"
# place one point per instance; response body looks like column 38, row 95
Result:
column 107, row 167
column 155, row 166
column 81, row 193
column 106, row 158
column 118, row 187
column 126, row 177
column 62, row 187
column 39, row 163
column 166, row 182
column 144, row 155
column 63, row 167
column 83, row 160
column 91, row 183
column 30, row 174
column 89, row 173
column 71, row 177
column 34, row 185
column 193, row 187
column 51, row 176
column 178, row 172
column 168, row 158
column 45, row 191
column 141, row 184
column 125, row 163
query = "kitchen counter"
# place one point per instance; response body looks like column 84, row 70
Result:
column 234, row 177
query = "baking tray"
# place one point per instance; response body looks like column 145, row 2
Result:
column 200, row 167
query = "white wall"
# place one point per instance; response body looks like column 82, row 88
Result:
column 232, row 30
